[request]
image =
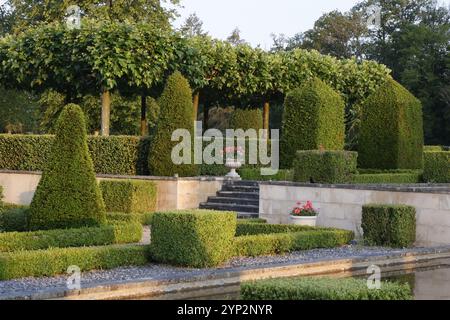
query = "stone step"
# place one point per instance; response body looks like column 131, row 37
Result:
column 233, row 194
column 243, row 183
column 240, row 188
column 237, row 200
column 247, row 215
column 230, row 207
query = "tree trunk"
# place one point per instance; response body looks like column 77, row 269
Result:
column 266, row 116
column 196, row 102
column 144, row 130
column 106, row 112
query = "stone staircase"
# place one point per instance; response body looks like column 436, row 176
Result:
column 239, row 196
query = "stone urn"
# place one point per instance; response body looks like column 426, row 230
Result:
column 233, row 164
column 309, row 221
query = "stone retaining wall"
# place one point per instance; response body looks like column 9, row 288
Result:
column 341, row 206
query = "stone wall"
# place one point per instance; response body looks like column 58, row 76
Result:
column 341, row 206
column 173, row 193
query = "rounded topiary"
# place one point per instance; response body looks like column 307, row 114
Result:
column 391, row 134
column 314, row 118
column 176, row 112
column 246, row 119
column 68, row 195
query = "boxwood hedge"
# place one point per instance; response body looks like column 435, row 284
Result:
column 388, row 178
column 129, row 195
column 193, row 238
column 391, row 134
column 437, row 167
column 389, row 225
column 246, row 119
column 322, row 289
column 313, row 117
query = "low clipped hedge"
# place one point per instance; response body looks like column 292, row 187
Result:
column 325, row 166
column 255, row 175
column 433, row 148
column 436, row 167
column 276, row 243
column 14, row 218
column 129, row 195
column 193, row 238
column 50, row 262
column 322, row 289
column 388, row 178
column 256, row 228
column 143, row 218
column 389, row 225
column 121, row 155
column 117, row 233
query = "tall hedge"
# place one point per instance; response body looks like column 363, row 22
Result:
column 391, row 129
column 436, row 167
column 68, row 195
column 176, row 112
column 246, row 119
column 313, row 117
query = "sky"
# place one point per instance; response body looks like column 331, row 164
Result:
column 257, row 19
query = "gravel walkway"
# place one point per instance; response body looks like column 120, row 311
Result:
column 159, row 272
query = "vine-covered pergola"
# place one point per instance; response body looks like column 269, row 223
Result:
column 99, row 58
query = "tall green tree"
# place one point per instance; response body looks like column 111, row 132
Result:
column 193, row 27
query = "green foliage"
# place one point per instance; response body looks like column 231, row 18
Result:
column 433, row 148
column 246, row 119
column 121, row 155
column 51, row 262
column 18, row 111
column 255, row 175
column 391, row 130
column 437, row 167
column 14, row 218
column 389, row 225
column 68, row 195
column 313, row 117
column 283, row 242
column 322, row 289
column 325, row 166
column 388, row 178
column 129, row 195
column 117, row 233
column 249, row 228
column 143, row 218
column 176, row 113
column 195, row 238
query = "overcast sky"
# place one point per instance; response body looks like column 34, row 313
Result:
column 257, row 19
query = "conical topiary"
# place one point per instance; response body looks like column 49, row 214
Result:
column 68, row 195
column 176, row 112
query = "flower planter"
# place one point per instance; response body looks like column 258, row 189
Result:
column 304, row 221
column 233, row 165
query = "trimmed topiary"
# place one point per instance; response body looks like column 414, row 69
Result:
column 389, row 225
column 391, row 134
column 68, row 195
column 246, row 119
column 176, row 113
column 313, row 118
column 436, row 167
column 325, row 166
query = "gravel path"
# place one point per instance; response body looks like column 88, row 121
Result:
column 158, row 272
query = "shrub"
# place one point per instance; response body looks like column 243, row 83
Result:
column 391, row 129
column 322, row 289
column 388, row 178
column 68, row 195
column 247, row 228
column 325, row 166
column 14, row 218
column 196, row 238
column 143, row 218
column 389, row 225
column 176, row 113
column 129, row 195
column 122, row 155
column 433, row 148
column 255, row 175
column 437, row 167
column 50, row 262
column 246, row 119
column 313, row 117
column 276, row 243
column 251, row 220
column 117, row 233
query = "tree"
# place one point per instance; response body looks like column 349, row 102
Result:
column 193, row 27
column 235, row 37
column 175, row 113
column 68, row 195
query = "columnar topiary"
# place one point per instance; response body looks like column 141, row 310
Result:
column 68, row 195
column 176, row 112
column 391, row 129
column 313, row 118
column 246, row 119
